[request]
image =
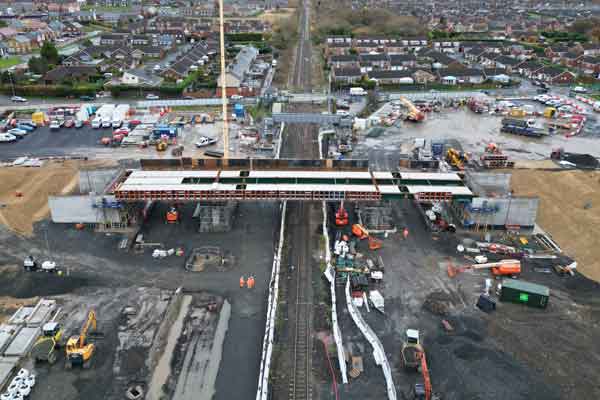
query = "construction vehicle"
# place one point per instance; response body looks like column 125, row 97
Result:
column 456, row 159
column 172, row 216
column 501, row 268
column 362, row 233
column 493, row 158
column 341, row 216
column 413, row 359
column 161, row 145
column 79, row 351
column 414, row 114
column 30, row 264
column 45, row 347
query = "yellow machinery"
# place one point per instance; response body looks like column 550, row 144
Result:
column 549, row 112
column 517, row 112
column 79, row 352
column 456, row 158
column 161, row 145
column 414, row 114
column 45, row 347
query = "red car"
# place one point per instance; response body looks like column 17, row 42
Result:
column 134, row 122
column 121, row 131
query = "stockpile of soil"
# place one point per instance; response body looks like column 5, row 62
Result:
column 35, row 185
column 569, row 211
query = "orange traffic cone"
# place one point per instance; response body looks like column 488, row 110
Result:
column 243, row 281
column 405, row 233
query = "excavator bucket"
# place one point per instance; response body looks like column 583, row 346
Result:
column 359, row 231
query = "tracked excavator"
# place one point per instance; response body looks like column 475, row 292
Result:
column 413, row 358
column 362, row 233
column 79, row 352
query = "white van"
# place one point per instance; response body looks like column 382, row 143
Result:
column 357, row 91
column 96, row 122
column 7, row 137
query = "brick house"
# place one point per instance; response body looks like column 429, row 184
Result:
column 344, row 61
column 346, row 75
column 423, row 76
column 590, row 65
column 402, row 61
column 391, row 77
column 337, row 49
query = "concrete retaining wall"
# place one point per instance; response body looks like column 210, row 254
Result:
column 378, row 351
column 262, row 392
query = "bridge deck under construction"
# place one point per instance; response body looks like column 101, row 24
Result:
column 195, row 185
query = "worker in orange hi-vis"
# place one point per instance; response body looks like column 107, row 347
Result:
column 242, row 281
column 250, row 282
column 405, row 233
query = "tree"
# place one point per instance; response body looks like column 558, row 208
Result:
column 3, row 23
column 38, row 65
column 49, row 53
column 87, row 43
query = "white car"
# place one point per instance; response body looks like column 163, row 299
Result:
column 565, row 108
column 7, row 138
column 49, row 266
column 24, row 389
column 151, row 96
column 23, row 373
column 18, row 99
column 18, row 132
column 205, row 141
column 30, row 380
column 236, row 97
column 6, row 396
column 542, row 98
column 579, row 89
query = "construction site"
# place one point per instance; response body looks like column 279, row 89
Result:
column 417, row 253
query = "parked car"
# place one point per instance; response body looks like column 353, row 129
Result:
column 133, row 123
column 236, row 97
column 151, row 96
column 19, row 133
column 18, row 99
column 55, row 125
column 86, row 98
column 7, row 137
column 28, row 123
column 579, row 89
column 25, row 127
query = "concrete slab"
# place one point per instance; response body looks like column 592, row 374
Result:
column 7, row 366
column 7, row 332
column 42, row 312
column 21, row 316
column 22, row 342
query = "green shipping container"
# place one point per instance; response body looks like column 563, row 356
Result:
column 531, row 294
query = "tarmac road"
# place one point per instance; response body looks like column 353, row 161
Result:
column 67, row 141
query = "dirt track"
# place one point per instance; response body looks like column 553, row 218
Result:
column 570, row 201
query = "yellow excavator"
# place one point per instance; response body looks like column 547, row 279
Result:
column 79, row 351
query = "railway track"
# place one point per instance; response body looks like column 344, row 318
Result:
column 300, row 142
column 300, row 379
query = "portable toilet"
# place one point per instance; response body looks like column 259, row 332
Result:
column 238, row 110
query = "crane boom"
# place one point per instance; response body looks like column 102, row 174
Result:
column 426, row 377
column 223, row 83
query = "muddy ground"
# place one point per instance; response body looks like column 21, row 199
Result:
column 516, row 352
column 95, row 263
